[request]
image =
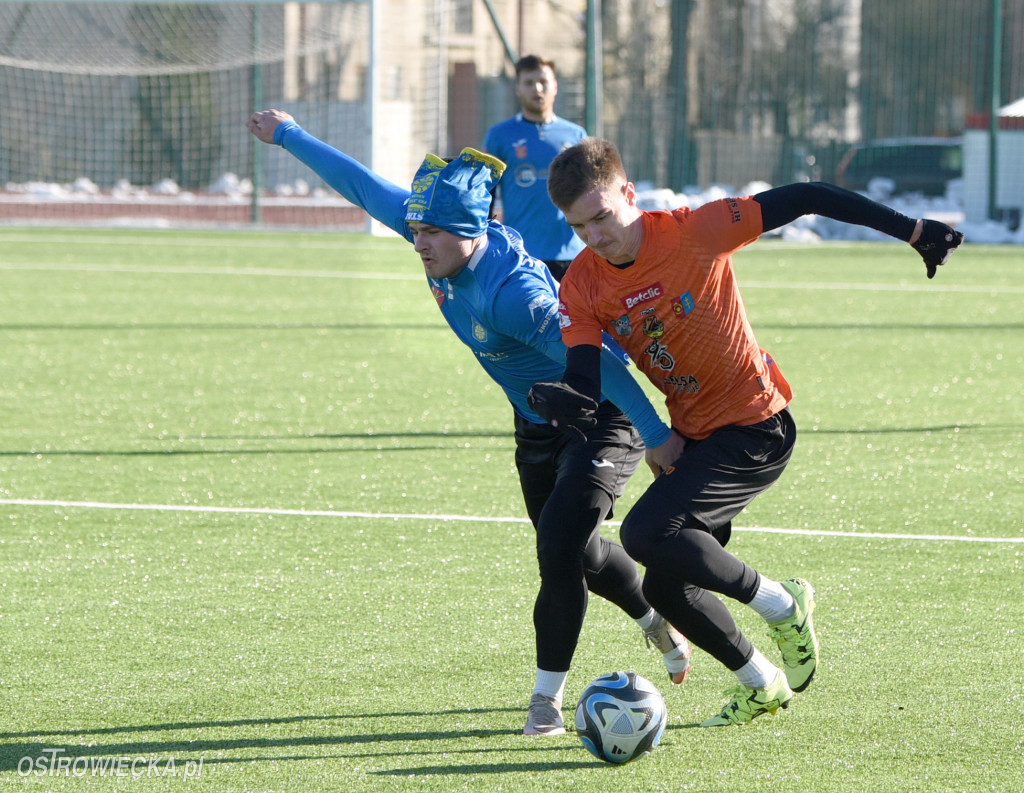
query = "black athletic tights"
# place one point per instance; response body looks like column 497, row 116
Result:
column 567, row 498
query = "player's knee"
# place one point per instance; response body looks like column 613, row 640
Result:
column 635, row 538
column 557, row 557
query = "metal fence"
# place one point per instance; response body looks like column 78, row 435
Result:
column 118, row 98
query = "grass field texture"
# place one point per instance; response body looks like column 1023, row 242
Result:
column 262, row 529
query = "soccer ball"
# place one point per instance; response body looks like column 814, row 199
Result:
column 620, row 717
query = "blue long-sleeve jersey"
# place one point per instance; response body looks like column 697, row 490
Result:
column 503, row 305
column 528, row 148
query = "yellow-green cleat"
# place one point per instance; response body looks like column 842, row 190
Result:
column 795, row 636
column 749, row 703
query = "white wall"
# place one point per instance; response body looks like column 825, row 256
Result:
column 1009, row 172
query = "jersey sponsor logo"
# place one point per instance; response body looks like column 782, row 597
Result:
column 563, row 316
column 491, row 356
column 652, row 292
column 686, row 383
column 525, row 175
column 659, row 356
column 657, row 352
column 546, row 302
column 683, row 304
column 549, row 306
column 734, row 209
column 622, row 326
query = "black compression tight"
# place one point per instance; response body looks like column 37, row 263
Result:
column 573, row 559
column 683, row 573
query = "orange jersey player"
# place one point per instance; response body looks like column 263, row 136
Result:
column 662, row 284
column 677, row 311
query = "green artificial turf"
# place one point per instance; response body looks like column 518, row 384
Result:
column 262, row 529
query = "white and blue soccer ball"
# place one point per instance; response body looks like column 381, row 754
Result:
column 620, row 716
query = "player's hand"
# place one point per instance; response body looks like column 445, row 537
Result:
column 564, row 408
column 662, row 458
column 263, row 123
column 936, row 243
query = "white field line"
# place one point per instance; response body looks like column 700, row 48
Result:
column 418, row 276
column 392, row 516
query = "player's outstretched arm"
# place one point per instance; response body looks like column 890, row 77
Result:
column 935, row 241
column 264, row 123
column 382, row 199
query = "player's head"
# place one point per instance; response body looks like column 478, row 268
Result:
column 451, row 200
column 588, row 183
column 536, row 87
column 591, row 163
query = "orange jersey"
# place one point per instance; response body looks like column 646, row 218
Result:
column 677, row 311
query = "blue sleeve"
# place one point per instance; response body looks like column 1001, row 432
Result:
column 529, row 314
column 382, row 199
column 532, row 318
column 619, row 385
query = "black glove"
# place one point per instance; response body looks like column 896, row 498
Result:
column 936, row 244
column 564, row 408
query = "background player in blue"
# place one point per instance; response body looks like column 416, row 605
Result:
column 503, row 305
column 528, row 142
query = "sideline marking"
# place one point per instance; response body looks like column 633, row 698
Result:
column 331, row 513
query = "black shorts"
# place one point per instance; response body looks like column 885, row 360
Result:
column 713, row 480
column 546, row 458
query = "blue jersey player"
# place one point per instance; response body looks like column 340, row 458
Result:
column 527, row 143
column 503, row 305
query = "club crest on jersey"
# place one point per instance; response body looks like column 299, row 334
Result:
column 622, row 326
column 683, row 304
column 648, row 293
column 438, row 293
column 525, row 175
column 520, row 148
column 654, row 328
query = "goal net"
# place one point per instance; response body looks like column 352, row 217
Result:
column 116, row 110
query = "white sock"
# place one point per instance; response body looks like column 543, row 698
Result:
column 646, row 621
column 772, row 601
column 551, row 684
column 758, row 672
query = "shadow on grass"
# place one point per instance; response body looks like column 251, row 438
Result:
column 21, row 751
column 267, row 448
column 985, row 428
column 193, row 725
